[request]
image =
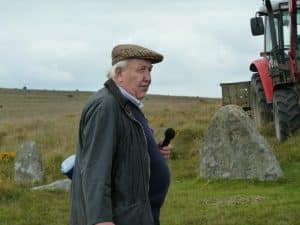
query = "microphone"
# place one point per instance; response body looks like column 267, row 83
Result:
column 169, row 134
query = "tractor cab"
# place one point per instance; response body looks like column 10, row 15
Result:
column 280, row 48
column 275, row 82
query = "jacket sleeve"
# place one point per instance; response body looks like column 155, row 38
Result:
column 98, row 135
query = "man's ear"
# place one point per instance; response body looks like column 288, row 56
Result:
column 118, row 77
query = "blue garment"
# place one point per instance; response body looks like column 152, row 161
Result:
column 159, row 171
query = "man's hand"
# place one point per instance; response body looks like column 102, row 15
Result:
column 166, row 151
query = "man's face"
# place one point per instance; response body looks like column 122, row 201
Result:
column 135, row 77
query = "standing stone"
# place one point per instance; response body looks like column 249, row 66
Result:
column 28, row 164
column 233, row 148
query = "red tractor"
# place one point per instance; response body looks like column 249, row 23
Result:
column 275, row 84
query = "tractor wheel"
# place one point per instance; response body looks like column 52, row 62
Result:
column 286, row 113
column 261, row 111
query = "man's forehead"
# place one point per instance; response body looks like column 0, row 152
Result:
column 140, row 62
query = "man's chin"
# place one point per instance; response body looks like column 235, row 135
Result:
column 141, row 96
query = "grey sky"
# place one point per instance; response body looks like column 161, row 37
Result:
column 67, row 44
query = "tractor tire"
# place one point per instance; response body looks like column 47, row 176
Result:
column 286, row 113
column 261, row 111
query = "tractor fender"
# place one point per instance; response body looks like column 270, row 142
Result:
column 262, row 68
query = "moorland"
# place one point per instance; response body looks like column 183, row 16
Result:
column 50, row 118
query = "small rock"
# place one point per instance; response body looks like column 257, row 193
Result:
column 63, row 185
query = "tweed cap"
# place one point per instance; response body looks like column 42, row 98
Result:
column 129, row 51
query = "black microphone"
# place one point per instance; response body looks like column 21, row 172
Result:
column 169, row 134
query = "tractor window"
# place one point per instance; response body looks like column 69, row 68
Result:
column 286, row 29
column 268, row 40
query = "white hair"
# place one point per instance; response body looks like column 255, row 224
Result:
column 112, row 72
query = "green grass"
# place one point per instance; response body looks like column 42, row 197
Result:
column 51, row 119
column 193, row 200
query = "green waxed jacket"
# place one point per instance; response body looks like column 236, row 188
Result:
column 111, row 174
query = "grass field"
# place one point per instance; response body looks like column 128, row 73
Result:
column 51, row 119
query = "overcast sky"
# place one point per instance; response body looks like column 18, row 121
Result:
column 66, row 44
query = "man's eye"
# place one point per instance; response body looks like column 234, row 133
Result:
column 144, row 69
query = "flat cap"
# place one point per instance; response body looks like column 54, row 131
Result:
column 129, row 51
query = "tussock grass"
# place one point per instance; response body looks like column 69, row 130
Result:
column 51, row 119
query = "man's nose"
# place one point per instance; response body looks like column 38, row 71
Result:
column 147, row 76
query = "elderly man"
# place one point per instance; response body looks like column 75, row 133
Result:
column 120, row 175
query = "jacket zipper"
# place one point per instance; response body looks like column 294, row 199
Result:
column 140, row 125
